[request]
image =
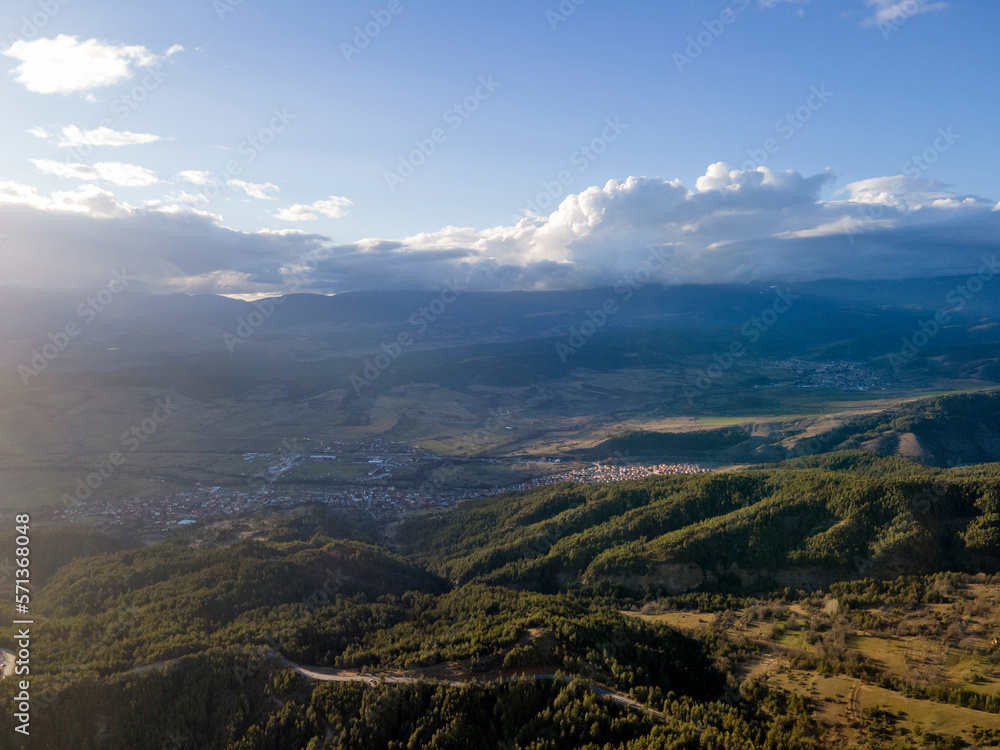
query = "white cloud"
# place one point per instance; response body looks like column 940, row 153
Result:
column 906, row 194
column 117, row 173
column 126, row 175
column 65, row 65
column 39, row 132
column 72, row 136
column 21, row 195
column 86, row 199
column 91, row 200
column 177, row 209
column 844, row 226
column 195, row 177
column 732, row 226
column 172, row 248
column 735, row 226
column 333, row 207
column 186, row 197
column 66, row 171
column 255, row 189
column 890, row 11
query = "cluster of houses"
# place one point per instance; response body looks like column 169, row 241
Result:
column 161, row 512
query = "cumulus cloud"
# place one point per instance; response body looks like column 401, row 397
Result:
column 22, row 195
column 115, row 172
column 908, row 194
column 168, row 248
column 257, row 190
column 195, row 199
column 891, row 11
column 846, row 225
column 333, row 207
column 86, row 199
column 731, row 226
column 66, row 65
column 72, row 136
column 195, row 177
column 734, row 226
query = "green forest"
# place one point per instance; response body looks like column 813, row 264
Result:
column 514, row 619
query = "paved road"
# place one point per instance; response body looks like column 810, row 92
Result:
column 338, row 675
column 324, row 674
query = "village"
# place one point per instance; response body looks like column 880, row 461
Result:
column 607, row 473
column 213, row 503
column 840, row 375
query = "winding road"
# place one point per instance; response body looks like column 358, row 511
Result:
column 336, row 675
column 323, row 674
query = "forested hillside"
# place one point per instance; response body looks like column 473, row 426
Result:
column 570, row 616
column 941, row 431
column 840, row 516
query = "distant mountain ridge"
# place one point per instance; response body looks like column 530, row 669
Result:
column 24, row 311
column 942, row 431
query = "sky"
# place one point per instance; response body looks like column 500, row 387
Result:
column 250, row 147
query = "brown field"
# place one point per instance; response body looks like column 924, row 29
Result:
column 950, row 644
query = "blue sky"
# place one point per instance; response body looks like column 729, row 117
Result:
column 765, row 86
